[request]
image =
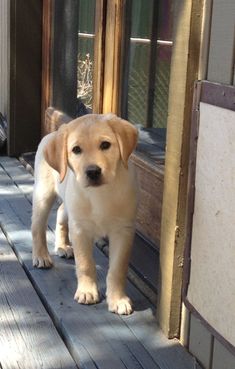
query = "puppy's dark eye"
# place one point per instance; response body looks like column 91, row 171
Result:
column 105, row 145
column 76, row 150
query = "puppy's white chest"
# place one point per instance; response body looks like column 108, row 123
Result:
column 99, row 210
column 95, row 225
column 89, row 214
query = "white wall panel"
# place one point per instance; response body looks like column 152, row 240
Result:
column 212, row 280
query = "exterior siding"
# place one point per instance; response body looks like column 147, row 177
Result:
column 208, row 351
column 4, row 56
column 220, row 67
column 200, row 342
column 222, row 358
column 203, row 343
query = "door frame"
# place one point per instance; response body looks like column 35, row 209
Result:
column 185, row 69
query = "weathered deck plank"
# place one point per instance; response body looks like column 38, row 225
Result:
column 95, row 337
column 28, row 338
column 24, row 181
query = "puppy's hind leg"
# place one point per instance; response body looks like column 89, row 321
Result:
column 62, row 244
column 42, row 203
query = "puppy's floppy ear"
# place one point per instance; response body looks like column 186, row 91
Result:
column 127, row 136
column 55, row 152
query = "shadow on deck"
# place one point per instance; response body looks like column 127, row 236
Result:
column 42, row 326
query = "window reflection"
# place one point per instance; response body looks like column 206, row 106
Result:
column 85, row 62
column 149, row 53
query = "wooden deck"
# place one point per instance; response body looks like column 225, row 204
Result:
column 41, row 326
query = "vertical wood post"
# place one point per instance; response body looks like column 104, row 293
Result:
column 99, row 54
column 113, row 50
column 184, row 71
column 46, row 60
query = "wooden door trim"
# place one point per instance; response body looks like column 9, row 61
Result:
column 99, row 55
column 48, row 6
column 184, row 71
column 113, row 52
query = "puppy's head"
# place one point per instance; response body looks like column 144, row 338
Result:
column 93, row 146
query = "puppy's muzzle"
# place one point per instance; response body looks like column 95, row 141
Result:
column 93, row 174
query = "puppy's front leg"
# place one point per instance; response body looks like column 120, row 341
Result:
column 87, row 291
column 119, row 254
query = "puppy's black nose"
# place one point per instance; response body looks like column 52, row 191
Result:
column 93, row 172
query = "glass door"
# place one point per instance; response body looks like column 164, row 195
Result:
column 76, row 56
column 114, row 56
column 147, row 72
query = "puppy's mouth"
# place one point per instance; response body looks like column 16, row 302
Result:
column 96, row 183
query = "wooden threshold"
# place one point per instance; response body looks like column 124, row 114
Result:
column 94, row 337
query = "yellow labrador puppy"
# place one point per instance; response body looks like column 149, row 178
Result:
column 86, row 163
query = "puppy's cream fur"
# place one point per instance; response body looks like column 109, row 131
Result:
column 101, row 206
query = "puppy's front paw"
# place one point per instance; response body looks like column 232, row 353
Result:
column 65, row 252
column 121, row 306
column 42, row 262
column 87, row 296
